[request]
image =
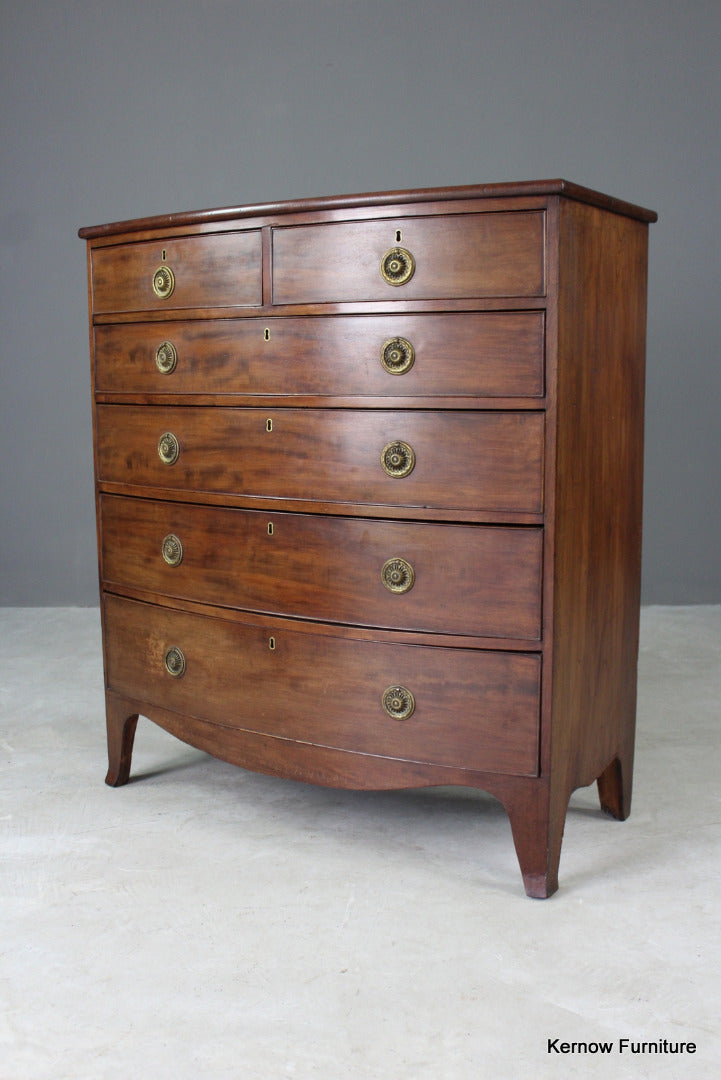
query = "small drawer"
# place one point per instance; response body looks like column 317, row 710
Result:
column 464, row 708
column 455, row 579
column 459, row 256
column 218, row 270
column 463, row 354
column 471, row 461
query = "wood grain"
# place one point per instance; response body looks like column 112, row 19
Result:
column 506, row 193
column 458, row 256
column 489, row 354
column 599, row 484
column 474, row 709
column 464, row 461
column 225, row 271
column 521, row 517
column 474, row 580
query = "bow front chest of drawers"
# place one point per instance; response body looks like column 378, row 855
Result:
column 369, row 490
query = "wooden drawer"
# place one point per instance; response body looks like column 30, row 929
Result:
column 473, row 461
column 456, row 256
column 456, row 579
column 220, row 270
column 473, row 709
column 487, row 354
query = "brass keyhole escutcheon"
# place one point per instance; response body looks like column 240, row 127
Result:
column 168, row 448
column 166, row 357
column 163, row 282
column 398, row 459
column 397, row 356
column 172, row 550
column 399, row 702
column 397, row 266
column 175, row 662
column 398, row 575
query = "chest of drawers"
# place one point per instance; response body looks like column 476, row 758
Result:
column 368, row 477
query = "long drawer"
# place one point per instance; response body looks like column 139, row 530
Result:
column 458, row 707
column 454, row 579
column 413, row 258
column 222, row 270
column 471, row 461
column 485, row 354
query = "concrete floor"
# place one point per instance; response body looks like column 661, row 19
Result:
column 206, row 923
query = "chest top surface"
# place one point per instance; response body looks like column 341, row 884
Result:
column 377, row 199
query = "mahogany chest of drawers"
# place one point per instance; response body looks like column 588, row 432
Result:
column 369, row 490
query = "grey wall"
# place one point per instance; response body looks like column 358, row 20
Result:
column 120, row 109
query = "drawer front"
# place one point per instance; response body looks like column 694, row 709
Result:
column 472, row 709
column 458, row 256
column 454, row 579
column 471, row 461
column 486, row 354
column 220, row 270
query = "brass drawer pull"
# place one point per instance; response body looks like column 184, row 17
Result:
column 397, row 266
column 166, row 357
column 398, row 575
column 398, row 459
column 175, row 662
column 399, row 702
column 163, row 282
column 172, row 550
column 168, row 448
column 397, row 356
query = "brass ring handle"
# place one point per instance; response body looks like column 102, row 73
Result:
column 168, row 448
column 397, row 266
column 399, row 702
column 398, row 459
column 163, row 282
column 397, row 356
column 172, row 550
column 398, row 575
column 166, row 357
column 175, row 662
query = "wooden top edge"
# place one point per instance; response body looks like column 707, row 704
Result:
column 378, row 198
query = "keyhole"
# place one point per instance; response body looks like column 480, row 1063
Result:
column 163, row 258
column 266, row 334
column 271, row 644
column 269, row 425
column 399, row 236
column 270, row 528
